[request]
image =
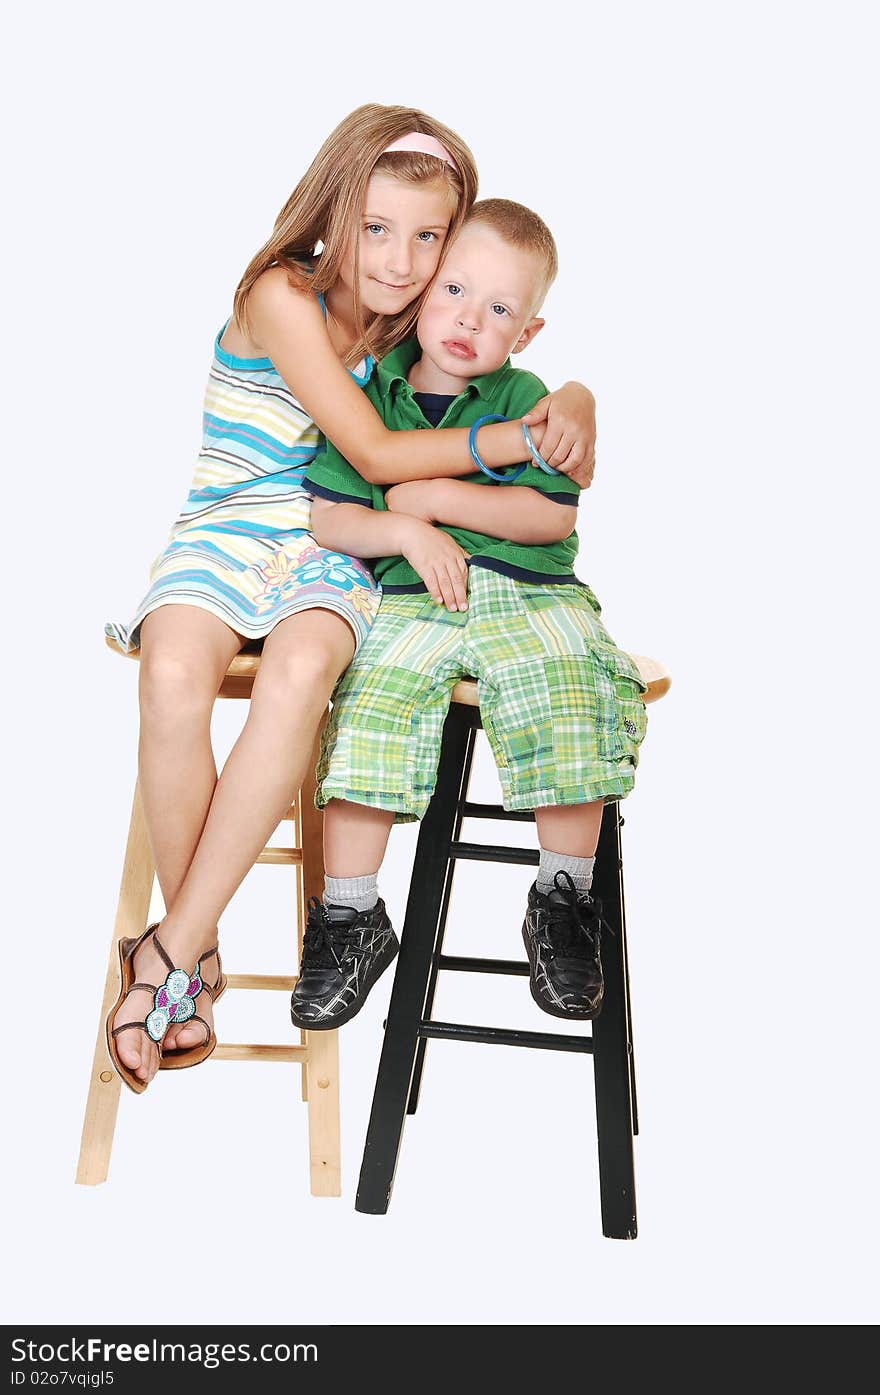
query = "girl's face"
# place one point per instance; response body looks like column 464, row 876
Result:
column 399, row 240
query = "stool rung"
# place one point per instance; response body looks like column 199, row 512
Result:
column 281, row 856
column 487, row 852
column 280, row 981
column 496, row 811
column 482, row 966
column 249, row 1051
column 502, row 1036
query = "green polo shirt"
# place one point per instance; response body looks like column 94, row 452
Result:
column 509, row 392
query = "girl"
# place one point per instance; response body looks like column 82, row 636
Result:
column 339, row 283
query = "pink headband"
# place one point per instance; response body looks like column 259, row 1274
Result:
column 423, row 145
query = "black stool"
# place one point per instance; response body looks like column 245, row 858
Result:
column 409, row 1023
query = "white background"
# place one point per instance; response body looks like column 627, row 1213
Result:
column 707, row 171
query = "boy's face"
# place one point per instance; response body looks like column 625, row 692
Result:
column 481, row 307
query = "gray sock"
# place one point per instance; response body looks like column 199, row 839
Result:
column 361, row 893
column 580, row 869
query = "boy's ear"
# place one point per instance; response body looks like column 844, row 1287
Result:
column 533, row 327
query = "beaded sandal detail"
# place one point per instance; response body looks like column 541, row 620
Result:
column 183, row 1056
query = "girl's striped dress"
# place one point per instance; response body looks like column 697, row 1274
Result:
column 241, row 547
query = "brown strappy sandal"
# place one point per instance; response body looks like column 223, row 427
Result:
column 174, row 1001
column 185, row 1056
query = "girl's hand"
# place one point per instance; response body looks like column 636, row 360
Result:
column 420, row 498
column 439, row 561
column 568, row 439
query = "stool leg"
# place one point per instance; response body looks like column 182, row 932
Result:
column 320, row 1078
column 307, row 835
column 415, row 1087
column 132, row 910
column 629, row 1025
column 612, row 1046
column 323, row 1086
column 300, row 923
column 413, row 970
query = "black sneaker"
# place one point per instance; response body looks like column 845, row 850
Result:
column 344, row 952
column 561, row 935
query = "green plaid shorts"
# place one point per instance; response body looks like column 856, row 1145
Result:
column 560, row 703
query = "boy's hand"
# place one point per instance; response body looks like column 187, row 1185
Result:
column 417, row 497
column 439, row 561
column 566, row 420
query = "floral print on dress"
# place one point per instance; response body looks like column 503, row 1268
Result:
column 279, row 583
column 317, row 569
column 333, row 569
column 365, row 601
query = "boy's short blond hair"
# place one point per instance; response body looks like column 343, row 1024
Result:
column 518, row 225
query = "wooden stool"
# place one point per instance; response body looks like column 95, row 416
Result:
column 318, row 1052
column 409, row 1023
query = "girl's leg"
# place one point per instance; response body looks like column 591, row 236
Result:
column 185, row 652
column 302, row 659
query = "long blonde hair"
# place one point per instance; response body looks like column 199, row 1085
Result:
column 327, row 203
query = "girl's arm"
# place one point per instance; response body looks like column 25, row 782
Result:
column 569, row 420
column 521, row 514
column 365, row 532
column 288, row 327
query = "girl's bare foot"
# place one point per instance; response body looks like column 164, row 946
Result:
column 137, row 1050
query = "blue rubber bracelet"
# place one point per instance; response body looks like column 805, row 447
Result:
column 472, row 443
column 536, row 454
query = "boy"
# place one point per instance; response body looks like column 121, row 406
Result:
column 560, row 704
